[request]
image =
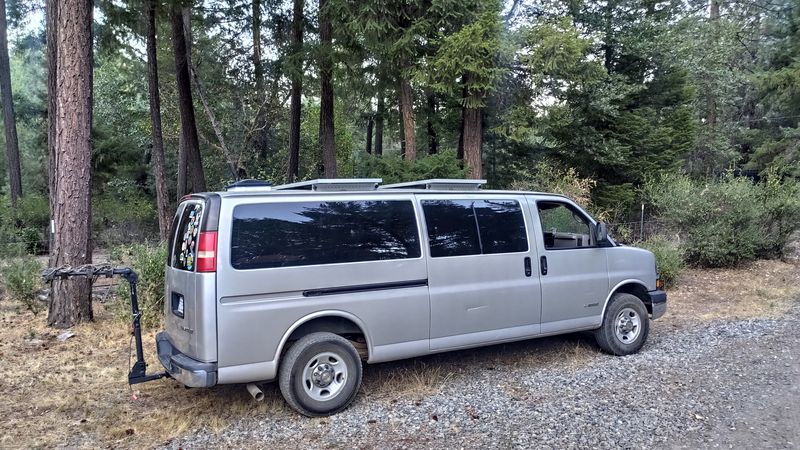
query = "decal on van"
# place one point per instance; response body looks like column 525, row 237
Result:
column 190, row 229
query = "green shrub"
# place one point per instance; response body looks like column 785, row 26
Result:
column 21, row 278
column 24, row 229
column 395, row 169
column 148, row 262
column 669, row 257
column 123, row 218
column 729, row 220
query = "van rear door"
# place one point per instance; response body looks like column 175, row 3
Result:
column 189, row 302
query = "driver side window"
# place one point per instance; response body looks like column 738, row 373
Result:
column 563, row 227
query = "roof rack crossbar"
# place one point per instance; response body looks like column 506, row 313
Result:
column 333, row 184
column 443, row 184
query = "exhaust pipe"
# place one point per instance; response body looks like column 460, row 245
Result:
column 255, row 391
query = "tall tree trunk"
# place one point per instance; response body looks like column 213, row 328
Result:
column 464, row 93
column 433, row 141
column 258, row 71
column 226, row 153
column 51, row 26
column 326, row 126
column 159, row 166
column 195, row 177
column 71, row 300
column 379, row 125
column 370, row 124
column 407, row 114
column 711, row 100
column 297, row 91
column 9, row 120
column 473, row 135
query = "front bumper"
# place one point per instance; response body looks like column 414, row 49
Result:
column 188, row 371
column 658, row 301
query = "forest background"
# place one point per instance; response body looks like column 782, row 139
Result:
column 687, row 110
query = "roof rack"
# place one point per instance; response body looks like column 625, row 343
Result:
column 338, row 184
column 249, row 185
column 442, row 184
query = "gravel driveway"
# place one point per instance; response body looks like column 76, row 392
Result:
column 726, row 384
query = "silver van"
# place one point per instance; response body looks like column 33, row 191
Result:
column 302, row 282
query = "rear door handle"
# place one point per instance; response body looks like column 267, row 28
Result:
column 543, row 264
column 528, row 270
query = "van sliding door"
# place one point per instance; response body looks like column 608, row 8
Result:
column 483, row 286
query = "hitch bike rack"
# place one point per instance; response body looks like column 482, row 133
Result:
column 138, row 373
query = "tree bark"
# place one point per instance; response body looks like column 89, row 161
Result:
column 9, row 120
column 159, row 165
column 473, row 136
column 195, row 177
column 258, row 71
column 71, row 300
column 51, row 26
column 433, row 141
column 370, row 124
column 296, row 92
column 326, row 122
column 407, row 114
column 379, row 125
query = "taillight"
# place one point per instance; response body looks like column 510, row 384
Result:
column 207, row 252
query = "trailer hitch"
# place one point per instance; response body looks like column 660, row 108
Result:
column 138, row 373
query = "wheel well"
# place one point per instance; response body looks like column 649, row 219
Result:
column 342, row 326
column 639, row 291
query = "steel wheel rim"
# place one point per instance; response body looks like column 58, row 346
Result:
column 324, row 376
column 627, row 326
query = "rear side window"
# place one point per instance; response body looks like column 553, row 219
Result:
column 309, row 233
column 474, row 227
column 184, row 249
column 502, row 226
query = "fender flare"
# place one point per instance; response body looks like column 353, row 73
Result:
column 315, row 315
column 614, row 291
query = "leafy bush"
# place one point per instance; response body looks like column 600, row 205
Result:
column 21, row 281
column 728, row 220
column 395, row 169
column 548, row 176
column 123, row 217
column 24, row 229
column 669, row 257
column 148, row 262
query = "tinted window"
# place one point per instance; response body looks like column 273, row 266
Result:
column 185, row 244
column 307, row 233
column 563, row 226
column 472, row 227
column 502, row 226
column 452, row 230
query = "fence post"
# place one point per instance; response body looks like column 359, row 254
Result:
column 641, row 225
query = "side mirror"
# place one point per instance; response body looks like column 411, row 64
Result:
column 601, row 233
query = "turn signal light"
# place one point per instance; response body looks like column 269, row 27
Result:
column 659, row 283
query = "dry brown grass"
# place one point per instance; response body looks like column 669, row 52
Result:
column 759, row 289
column 74, row 393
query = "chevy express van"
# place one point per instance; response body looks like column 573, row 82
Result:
column 300, row 283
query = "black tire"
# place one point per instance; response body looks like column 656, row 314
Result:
column 301, row 356
column 609, row 340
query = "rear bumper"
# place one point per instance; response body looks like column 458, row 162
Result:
column 658, row 300
column 188, row 371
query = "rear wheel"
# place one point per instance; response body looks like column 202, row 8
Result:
column 320, row 374
column 625, row 325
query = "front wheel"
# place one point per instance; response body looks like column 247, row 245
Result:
column 320, row 374
column 625, row 325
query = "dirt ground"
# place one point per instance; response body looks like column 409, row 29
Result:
column 74, row 393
